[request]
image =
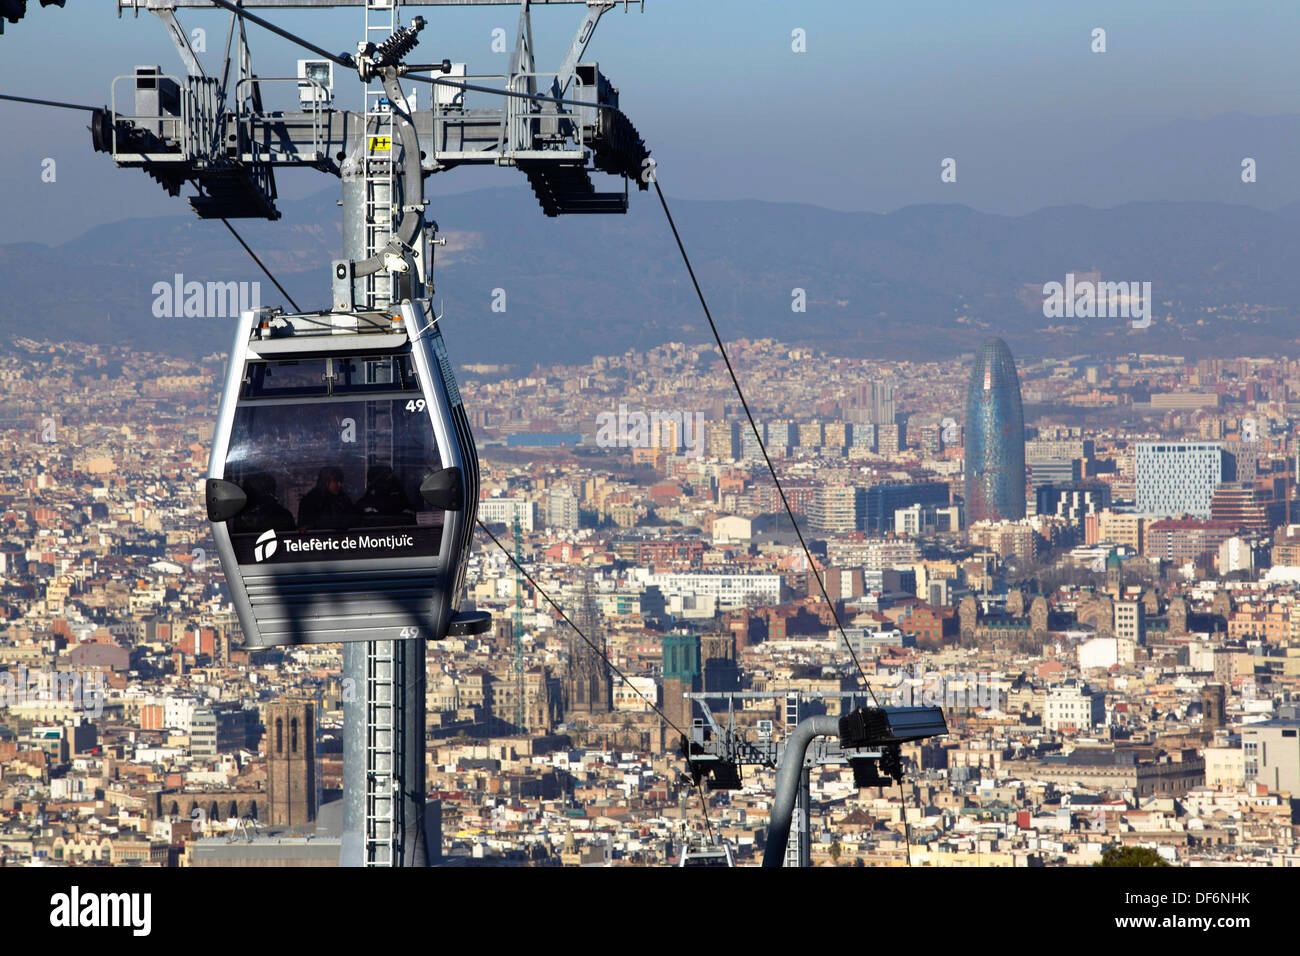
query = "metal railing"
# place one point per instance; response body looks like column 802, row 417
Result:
column 245, row 114
column 383, row 802
column 454, row 112
column 260, row 171
column 167, row 127
column 527, row 119
column 194, row 132
column 199, row 117
column 522, row 120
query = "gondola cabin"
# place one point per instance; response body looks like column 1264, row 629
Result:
column 706, row 853
column 343, row 481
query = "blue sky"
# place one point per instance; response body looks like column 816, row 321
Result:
column 860, row 121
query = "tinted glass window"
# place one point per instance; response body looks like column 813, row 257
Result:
column 330, row 376
column 333, row 479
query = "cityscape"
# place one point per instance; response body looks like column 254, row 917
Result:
column 1113, row 640
column 492, row 436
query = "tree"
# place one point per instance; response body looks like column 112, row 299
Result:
column 1131, row 856
column 835, row 852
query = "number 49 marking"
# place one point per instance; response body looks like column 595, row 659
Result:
column 409, row 632
column 415, row 405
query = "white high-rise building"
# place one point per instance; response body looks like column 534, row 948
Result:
column 562, row 509
column 178, row 712
column 1177, row 478
column 503, row 510
column 727, row 590
column 1130, row 622
column 749, row 447
column 1073, row 707
column 837, row 509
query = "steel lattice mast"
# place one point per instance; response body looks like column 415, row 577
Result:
column 216, row 134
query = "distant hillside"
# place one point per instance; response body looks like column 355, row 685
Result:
column 924, row 281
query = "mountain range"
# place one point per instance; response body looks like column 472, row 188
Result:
column 927, row 281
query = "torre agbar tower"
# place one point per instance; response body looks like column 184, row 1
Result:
column 995, row 437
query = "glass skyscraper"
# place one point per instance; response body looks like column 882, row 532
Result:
column 995, row 438
column 881, row 501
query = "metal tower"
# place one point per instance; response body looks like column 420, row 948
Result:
column 719, row 753
column 219, row 137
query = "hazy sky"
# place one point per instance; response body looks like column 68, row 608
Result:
column 860, row 121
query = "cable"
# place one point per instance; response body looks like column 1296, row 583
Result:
column 342, row 59
column 704, row 808
column 603, row 656
column 64, row 106
column 763, row 448
column 907, row 830
column 241, row 241
column 432, row 322
column 559, row 610
column 538, row 97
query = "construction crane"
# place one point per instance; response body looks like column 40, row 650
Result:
column 1292, row 466
column 519, row 626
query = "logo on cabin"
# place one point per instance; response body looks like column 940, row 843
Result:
column 265, row 546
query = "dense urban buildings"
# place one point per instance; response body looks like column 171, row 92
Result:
column 1112, row 676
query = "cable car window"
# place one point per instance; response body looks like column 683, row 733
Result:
column 282, row 379
column 333, row 480
column 384, row 373
column 329, row 376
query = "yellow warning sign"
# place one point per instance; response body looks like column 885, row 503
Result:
column 381, row 144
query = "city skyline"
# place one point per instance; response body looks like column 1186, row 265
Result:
column 736, row 587
column 519, row 537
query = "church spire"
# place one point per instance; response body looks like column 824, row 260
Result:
column 588, row 685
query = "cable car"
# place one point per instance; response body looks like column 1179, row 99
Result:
column 705, row 853
column 343, row 482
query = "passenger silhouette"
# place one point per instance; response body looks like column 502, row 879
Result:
column 326, row 506
column 384, row 494
column 263, row 511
